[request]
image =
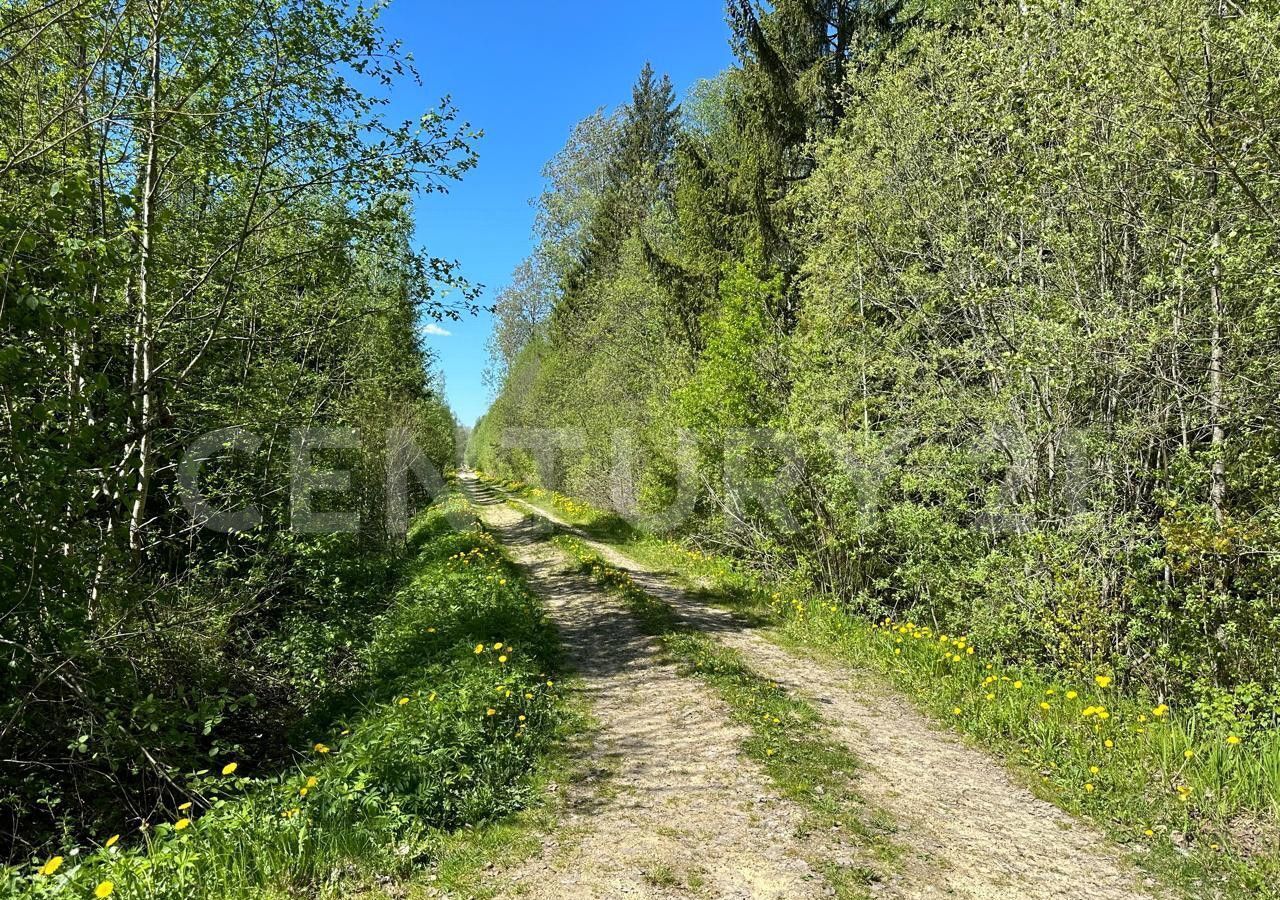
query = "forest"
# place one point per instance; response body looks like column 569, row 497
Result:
column 964, row 312
column 892, row 415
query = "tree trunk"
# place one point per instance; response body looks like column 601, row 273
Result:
column 1217, row 311
column 144, row 389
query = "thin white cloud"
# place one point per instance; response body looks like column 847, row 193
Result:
column 433, row 328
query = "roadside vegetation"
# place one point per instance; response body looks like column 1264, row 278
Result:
column 210, row 295
column 439, row 734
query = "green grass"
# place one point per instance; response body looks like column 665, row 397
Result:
column 439, row 742
column 787, row 734
column 1206, row 823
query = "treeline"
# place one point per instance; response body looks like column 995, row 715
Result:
column 205, row 245
column 964, row 312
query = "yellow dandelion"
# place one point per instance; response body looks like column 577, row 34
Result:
column 181, row 824
column 230, row 768
column 1088, row 788
column 52, row 865
column 502, row 658
column 1093, row 770
column 312, row 781
column 112, row 841
column 403, row 700
column 1071, row 695
column 1232, row 740
column 184, row 806
column 321, row 749
column 1103, row 680
column 957, row 711
column 479, row 648
column 491, row 711
column 498, row 646
column 1187, row 754
column 1044, row 705
column 104, row 889
column 1108, row 743
column 1018, row 685
column 1159, row 711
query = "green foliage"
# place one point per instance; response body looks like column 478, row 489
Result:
column 183, row 254
column 982, row 303
column 436, row 727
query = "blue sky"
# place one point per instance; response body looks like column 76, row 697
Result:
column 525, row 72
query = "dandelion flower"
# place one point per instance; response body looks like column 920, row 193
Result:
column 1103, row 680
column 321, row 749
column 312, row 781
column 1093, row 770
column 1018, row 685
column 184, row 806
column 1044, row 705
column 1108, row 743
column 502, row 658
column 230, row 768
column 1071, row 695
column 404, row 700
column 490, row 711
column 1088, row 788
column 53, row 865
column 479, row 648
column 957, row 711
column 1159, row 711
column 1232, row 740
column 498, row 646
column 1188, row 753
column 112, row 841
column 105, row 889
column 181, row 824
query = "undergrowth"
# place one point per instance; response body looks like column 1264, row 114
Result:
column 436, row 742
